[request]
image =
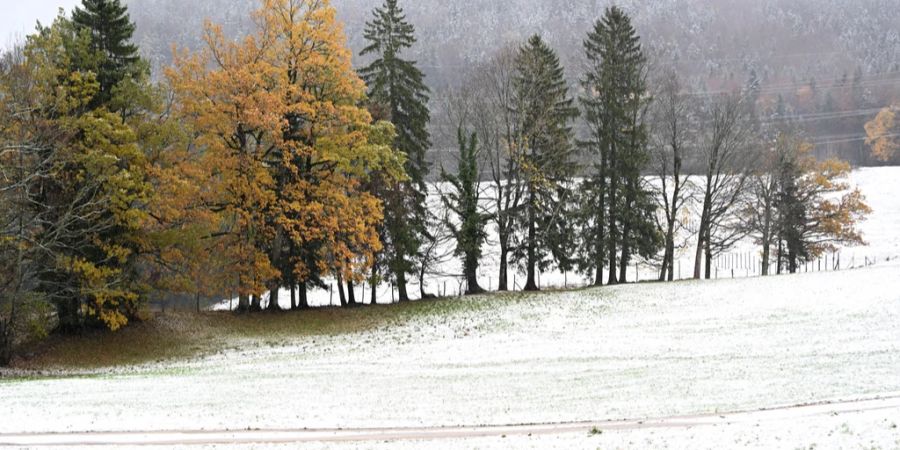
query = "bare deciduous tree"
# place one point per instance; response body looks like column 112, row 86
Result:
column 725, row 160
column 673, row 129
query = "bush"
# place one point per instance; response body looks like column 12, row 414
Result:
column 33, row 320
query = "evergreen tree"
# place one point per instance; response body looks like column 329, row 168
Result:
column 463, row 201
column 398, row 93
column 110, row 29
column 614, row 106
column 816, row 209
column 543, row 110
column 91, row 195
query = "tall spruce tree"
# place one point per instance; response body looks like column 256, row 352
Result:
column 614, row 106
column 544, row 110
column 110, row 30
column 398, row 93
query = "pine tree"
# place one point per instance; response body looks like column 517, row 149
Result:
column 544, row 111
column 110, row 29
column 614, row 104
column 398, row 92
column 468, row 228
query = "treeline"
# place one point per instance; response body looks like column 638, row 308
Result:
column 268, row 162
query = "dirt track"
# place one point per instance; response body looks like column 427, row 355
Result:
column 287, row 436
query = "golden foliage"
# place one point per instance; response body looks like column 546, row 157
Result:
column 882, row 134
column 282, row 146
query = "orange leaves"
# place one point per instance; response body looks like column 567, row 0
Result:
column 283, row 146
column 882, row 133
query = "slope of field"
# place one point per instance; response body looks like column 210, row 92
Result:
column 643, row 351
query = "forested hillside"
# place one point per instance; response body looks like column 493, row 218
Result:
column 808, row 52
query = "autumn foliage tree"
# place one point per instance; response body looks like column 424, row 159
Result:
column 817, row 208
column 285, row 146
column 883, row 135
column 82, row 179
column 801, row 206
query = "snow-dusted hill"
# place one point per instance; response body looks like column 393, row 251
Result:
column 628, row 352
column 721, row 38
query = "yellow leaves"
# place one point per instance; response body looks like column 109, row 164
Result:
column 104, row 300
column 285, row 145
column 882, row 133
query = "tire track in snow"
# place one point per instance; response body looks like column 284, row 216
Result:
column 288, row 436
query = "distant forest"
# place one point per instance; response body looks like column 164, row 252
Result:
column 827, row 65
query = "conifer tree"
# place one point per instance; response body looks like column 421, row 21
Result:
column 397, row 93
column 615, row 104
column 111, row 30
column 544, row 111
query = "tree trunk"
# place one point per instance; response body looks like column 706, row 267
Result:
column 274, row 296
column 340, row 285
column 351, row 294
column 780, row 251
column 601, row 259
column 601, row 223
column 402, row 295
column 613, row 244
column 373, row 283
column 708, row 255
column 703, row 233
column 626, row 255
column 243, row 303
column 304, row 297
column 255, row 303
column 472, row 286
column 293, row 298
column 531, row 263
column 503, row 284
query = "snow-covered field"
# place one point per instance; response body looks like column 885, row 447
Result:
column 612, row 353
column 626, row 352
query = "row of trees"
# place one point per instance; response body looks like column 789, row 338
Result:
column 567, row 187
column 269, row 162
column 255, row 165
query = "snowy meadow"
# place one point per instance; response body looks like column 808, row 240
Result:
column 627, row 352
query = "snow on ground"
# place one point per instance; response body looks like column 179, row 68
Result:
column 626, row 352
column 880, row 186
column 650, row 350
column 856, row 424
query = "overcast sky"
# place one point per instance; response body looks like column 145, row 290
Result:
column 18, row 17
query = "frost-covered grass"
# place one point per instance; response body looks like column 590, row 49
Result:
column 624, row 352
column 649, row 350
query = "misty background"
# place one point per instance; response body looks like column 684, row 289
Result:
column 829, row 64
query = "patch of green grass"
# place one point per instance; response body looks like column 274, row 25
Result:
column 183, row 335
column 595, row 431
